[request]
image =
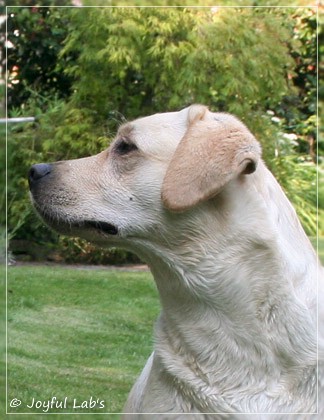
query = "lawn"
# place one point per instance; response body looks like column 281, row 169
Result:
column 79, row 335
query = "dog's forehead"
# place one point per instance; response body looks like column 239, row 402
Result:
column 159, row 133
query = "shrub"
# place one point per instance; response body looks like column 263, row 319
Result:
column 108, row 64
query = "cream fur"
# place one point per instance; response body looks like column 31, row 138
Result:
column 236, row 274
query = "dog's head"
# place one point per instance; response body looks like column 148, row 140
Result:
column 156, row 166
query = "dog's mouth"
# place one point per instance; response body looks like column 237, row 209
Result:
column 104, row 227
column 79, row 228
column 70, row 226
column 84, row 226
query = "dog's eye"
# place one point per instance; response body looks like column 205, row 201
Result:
column 124, row 146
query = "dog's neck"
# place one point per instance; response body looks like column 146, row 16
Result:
column 221, row 296
column 231, row 338
column 231, row 313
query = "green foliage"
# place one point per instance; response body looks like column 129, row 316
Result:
column 115, row 63
column 36, row 35
column 298, row 110
column 195, row 3
column 299, row 174
column 296, row 172
column 156, row 59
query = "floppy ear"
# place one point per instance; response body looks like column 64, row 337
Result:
column 215, row 149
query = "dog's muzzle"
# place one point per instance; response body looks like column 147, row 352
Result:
column 39, row 179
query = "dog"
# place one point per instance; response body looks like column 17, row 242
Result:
column 240, row 329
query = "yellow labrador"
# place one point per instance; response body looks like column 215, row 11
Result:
column 237, row 277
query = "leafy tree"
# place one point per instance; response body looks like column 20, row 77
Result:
column 152, row 59
column 122, row 63
column 36, row 35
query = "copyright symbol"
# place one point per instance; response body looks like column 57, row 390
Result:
column 15, row 403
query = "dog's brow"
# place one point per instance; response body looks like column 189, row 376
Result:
column 125, row 130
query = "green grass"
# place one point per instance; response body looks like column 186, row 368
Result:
column 77, row 334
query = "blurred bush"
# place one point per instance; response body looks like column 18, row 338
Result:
column 84, row 71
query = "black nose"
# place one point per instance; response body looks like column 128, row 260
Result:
column 37, row 172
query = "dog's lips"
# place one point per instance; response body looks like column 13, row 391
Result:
column 87, row 225
column 101, row 226
column 79, row 227
column 65, row 226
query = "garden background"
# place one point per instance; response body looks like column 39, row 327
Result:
column 83, row 71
